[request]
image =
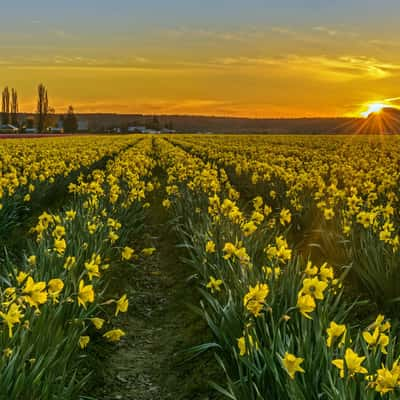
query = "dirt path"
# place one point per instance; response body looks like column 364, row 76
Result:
column 148, row 364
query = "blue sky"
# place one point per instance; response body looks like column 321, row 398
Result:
column 124, row 15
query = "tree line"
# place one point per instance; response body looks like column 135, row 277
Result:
column 44, row 117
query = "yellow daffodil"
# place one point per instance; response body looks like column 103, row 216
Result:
column 122, row 305
column 214, row 284
column 241, row 342
column 210, row 247
column 114, row 335
column 54, row 288
column 336, row 331
column 34, row 292
column 70, row 262
column 97, row 322
column 314, row 287
column 353, row 364
column 127, row 253
column 306, row 304
column 84, row 341
column 85, row 294
column 292, row 364
column 11, row 317
column 147, row 252
column 254, row 300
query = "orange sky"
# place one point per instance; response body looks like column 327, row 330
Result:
column 262, row 59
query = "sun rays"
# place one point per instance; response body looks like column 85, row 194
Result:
column 374, row 108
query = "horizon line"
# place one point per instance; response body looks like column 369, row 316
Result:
column 196, row 115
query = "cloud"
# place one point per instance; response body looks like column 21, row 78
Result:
column 383, row 43
column 91, row 61
column 284, row 31
column 65, row 60
column 322, row 67
column 324, row 29
column 142, row 60
column 359, row 66
column 183, row 106
column 394, row 101
column 315, row 34
column 207, row 34
column 335, row 32
column 73, row 61
column 343, row 68
column 192, row 106
column 307, row 36
column 62, row 34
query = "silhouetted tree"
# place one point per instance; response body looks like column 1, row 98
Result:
column 70, row 121
column 14, row 107
column 5, row 106
column 42, row 108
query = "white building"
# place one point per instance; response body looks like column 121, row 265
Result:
column 136, row 129
column 55, row 130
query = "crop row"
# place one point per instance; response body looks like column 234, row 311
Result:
column 288, row 326
column 53, row 299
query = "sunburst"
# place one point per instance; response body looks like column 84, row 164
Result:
column 374, row 108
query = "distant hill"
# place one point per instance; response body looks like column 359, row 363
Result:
column 189, row 123
column 387, row 121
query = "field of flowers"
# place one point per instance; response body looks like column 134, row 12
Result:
column 293, row 242
column 53, row 285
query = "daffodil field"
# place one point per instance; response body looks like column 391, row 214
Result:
column 293, row 242
column 53, row 294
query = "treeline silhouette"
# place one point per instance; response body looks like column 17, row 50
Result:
column 44, row 117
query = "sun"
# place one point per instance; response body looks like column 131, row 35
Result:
column 373, row 108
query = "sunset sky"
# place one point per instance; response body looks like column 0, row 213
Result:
column 256, row 58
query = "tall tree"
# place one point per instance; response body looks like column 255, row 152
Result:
column 42, row 108
column 70, row 121
column 5, row 106
column 14, row 107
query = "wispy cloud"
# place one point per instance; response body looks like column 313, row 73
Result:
column 192, row 106
column 315, row 34
column 344, row 67
column 324, row 29
column 393, row 101
column 62, row 34
column 382, row 43
column 355, row 66
column 74, row 61
column 308, row 36
column 207, row 34
column 284, row 31
column 323, row 67
column 67, row 60
column 338, row 31
column 101, row 62
column 351, row 67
